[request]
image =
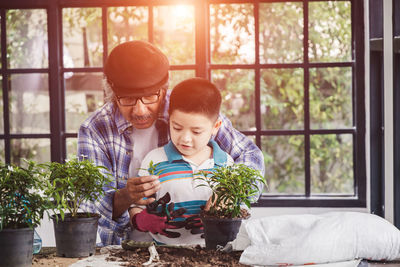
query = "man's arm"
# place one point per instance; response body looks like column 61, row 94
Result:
column 240, row 147
column 91, row 146
column 113, row 206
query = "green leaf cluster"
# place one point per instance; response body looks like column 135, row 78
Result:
column 74, row 182
column 22, row 204
column 231, row 186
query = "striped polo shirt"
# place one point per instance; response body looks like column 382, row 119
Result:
column 177, row 176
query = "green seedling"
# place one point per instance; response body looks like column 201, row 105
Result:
column 152, row 169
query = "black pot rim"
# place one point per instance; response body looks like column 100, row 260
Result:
column 210, row 218
column 67, row 216
column 27, row 229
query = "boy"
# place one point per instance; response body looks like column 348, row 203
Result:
column 193, row 121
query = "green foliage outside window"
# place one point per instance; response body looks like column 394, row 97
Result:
column 26, row 38
column 282, row 90
column 82, row 37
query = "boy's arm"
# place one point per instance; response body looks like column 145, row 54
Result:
column 240, row 147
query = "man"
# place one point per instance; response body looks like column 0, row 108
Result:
column 132, row 123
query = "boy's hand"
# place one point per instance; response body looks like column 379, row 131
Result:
column 195, row 224
column 157, row 221
column 211, row 203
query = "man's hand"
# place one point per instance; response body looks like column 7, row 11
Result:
column 135, row 190
column 142, row 187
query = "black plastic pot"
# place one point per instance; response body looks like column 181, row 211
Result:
column 75, row 237
column 218, row 231
column 16, row 247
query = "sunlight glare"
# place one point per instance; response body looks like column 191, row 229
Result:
column 182, row 11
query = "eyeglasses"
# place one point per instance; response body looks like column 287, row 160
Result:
column 131, row 100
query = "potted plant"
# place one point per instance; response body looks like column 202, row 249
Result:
column 70, row 184
column 232, row 186
column 22, row 208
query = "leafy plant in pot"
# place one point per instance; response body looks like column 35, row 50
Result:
column 68, row 185
column 22, row 208
column 232, row 187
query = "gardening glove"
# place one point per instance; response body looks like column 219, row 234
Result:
column 195, row 224
column 156, row 221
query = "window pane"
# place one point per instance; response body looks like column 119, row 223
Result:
column 29, row 103
column 2, row 151
column 83, row 95
column 174, row 33
column 30, row 149
column 126, row 24
column 176, row 76
column 332, row 164
column 281, row 40
column 284, row 164
column 82, row 37
column 331, row 98
column 232, row 36
column 329, row 31
column 282, row 99
column 72, row 147
column 27, row 38
column 238, row 98
column 1, row 106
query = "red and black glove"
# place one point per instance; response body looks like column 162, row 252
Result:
column 156, row 221
column 195, row 224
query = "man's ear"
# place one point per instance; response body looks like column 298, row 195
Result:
column 217, row 125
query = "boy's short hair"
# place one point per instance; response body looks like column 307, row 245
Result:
column 196, row 95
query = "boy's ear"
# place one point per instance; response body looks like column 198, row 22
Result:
column 217, row 125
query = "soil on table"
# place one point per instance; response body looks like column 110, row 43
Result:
column 171, row 257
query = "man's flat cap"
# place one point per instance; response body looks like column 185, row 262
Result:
column 136, row 68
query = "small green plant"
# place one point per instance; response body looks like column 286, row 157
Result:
column 22, row 204
column 74, row 182
column 231, row 186
column 152, row 168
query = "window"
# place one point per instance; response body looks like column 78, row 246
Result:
column 25, row 104
column 290, row 72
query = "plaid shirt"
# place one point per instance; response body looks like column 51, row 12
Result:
column 105, row 139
